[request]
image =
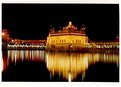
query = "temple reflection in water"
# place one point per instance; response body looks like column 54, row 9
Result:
column 72, row 64
column 66, row 65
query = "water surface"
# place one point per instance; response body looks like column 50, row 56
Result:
column 38, row 65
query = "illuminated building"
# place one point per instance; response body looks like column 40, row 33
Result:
column 5, row 38
column 5, row 35
column 69, row 38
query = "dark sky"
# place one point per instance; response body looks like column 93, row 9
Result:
column 32, row 21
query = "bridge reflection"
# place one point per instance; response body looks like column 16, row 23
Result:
column 30, row 55
column 14, row 56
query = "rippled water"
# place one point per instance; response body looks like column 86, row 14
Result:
column 38, row 65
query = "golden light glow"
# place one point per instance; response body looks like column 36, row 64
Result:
column 3, row 33
column 14, row 55
column 68, row 37
column 68, row 65
column 69, row 77
column 70, row 23
column 66, row 41
column 72, row 64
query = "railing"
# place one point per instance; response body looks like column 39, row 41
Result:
column 58, row 34
column 19, row 46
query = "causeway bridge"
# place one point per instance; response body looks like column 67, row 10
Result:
column 26, row 44
column 41, row 44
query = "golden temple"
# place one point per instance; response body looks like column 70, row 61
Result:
column 69, row 38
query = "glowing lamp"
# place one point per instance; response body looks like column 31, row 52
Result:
column 3, row 33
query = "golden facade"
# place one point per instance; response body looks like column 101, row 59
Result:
column 67, row 38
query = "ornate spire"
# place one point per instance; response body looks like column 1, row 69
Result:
column 70, row 23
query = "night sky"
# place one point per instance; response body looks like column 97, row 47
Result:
column 33, row 21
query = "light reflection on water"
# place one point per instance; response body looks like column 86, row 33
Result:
column 67, row 65
column 72, row 64
column 33, row 55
